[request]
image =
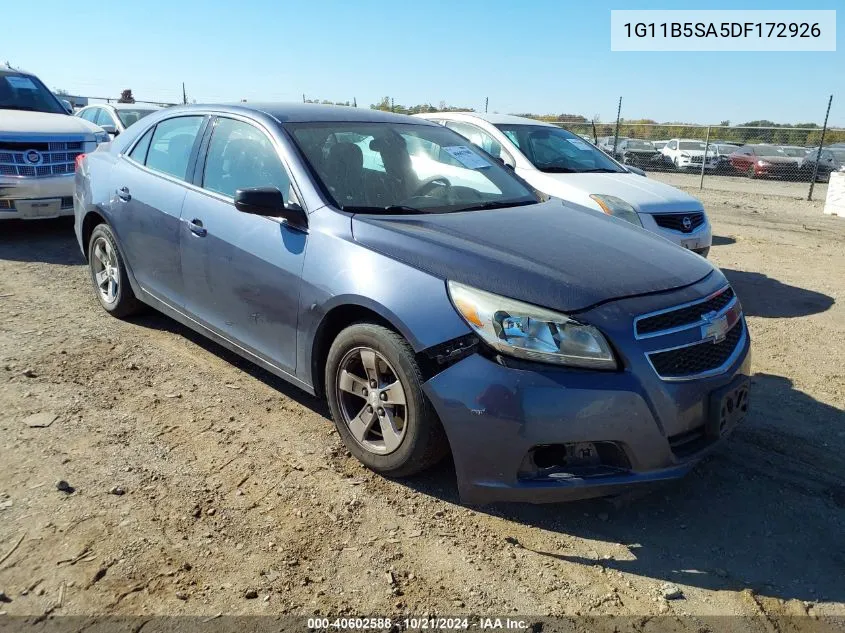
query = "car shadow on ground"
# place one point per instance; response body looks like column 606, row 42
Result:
column 765, row 512
column 46, row 241
column 764, row 296
column 723, row 240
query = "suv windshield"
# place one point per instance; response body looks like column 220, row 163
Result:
column 553, row 150
column 693, row 145
column 632, row 144
column 404, row 168
column 26, row 92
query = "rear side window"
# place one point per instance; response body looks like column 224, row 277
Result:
column 240, row 156
column 139, row 152
column 171, row 145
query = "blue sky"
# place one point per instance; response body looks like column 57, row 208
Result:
column 541, row 56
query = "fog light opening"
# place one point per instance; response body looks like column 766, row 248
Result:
column 577, row 460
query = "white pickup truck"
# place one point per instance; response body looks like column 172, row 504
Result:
column 39, row 145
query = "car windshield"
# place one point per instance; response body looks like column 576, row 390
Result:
column 632, row 144
column 128, row 116
column 839, row 154
column 768, row 150
column 26, row 92
column 795, row 152
column 553, row 150
column 693, row 145
column 369, row 167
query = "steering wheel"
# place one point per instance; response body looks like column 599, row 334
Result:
column 430, row 184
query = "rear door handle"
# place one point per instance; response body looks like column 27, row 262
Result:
column 196, row 227
column 123, row 194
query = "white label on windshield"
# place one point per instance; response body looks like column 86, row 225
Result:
column 580, row 144
column 467, row 157
column 20, row 83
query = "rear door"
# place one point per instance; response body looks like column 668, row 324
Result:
column 242, row 272
column 149, row 190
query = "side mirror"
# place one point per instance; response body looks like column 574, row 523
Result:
column 67, row 106
column 110, row 129
column 269, row 202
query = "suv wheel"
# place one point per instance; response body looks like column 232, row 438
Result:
column 374, row 389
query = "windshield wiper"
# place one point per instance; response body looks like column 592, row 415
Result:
column 601, row 170
column 559, row 170
column 496, row 205
column 391, row 208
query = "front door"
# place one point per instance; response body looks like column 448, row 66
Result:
column 242, row 272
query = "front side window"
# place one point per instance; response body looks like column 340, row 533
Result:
column 104, row 118
column 369, row 167
column 26, row 92
column 171, row 145
column 240, row 156
column 558, row 151
column 477, row 136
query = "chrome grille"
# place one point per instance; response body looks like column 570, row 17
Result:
column 687, row 315
column 694, row 360
column 675, row 221
column 57, row 158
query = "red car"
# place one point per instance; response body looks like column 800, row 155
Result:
column 764, row 160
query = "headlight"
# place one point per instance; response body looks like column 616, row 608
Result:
column 530, row 332
column 101, row 137
column 763, row 163
column 617, row 207
column 684, row 155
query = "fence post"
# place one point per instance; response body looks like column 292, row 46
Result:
column 704, row 160
column 819, row 152
column 616, row 133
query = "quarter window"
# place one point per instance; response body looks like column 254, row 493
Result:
column 240, row 157
column 171, row 145
column 139, row 152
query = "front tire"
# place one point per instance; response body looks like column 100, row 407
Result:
column 374, row 389
column 108, row 274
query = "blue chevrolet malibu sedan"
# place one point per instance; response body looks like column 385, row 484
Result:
column 437, row 301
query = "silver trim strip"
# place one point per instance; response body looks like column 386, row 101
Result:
column 721, row 369
column 681, row 306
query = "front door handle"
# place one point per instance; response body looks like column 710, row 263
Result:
column 196, row 228
column 123, row 194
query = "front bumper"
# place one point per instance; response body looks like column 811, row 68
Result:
column 496, row 415
column 36, row 198
column 687, row 163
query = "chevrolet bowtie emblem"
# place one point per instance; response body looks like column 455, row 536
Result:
column 715, row 327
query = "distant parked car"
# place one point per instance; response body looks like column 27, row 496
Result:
column 832, row 159
column 114, row 118
column 605, row 143
column 685, row 153
column 722, row 153
column 763, row 160
column 798, row 154
column 642, row 154
column 560, row 164
column 659, row 145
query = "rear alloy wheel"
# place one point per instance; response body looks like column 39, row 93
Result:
column 108, row 274
column 374, row 389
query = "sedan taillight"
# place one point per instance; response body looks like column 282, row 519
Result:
column 78, row 162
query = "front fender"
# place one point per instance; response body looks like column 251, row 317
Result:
column 341, row 272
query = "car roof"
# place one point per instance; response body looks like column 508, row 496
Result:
column 489, row 117
column 132, row 106
column 303, row 112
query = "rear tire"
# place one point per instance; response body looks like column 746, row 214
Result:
column 108, row 274
column 392, row 431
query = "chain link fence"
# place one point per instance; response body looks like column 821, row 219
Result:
column 789, row 161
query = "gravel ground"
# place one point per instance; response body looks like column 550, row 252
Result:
column 196, row 483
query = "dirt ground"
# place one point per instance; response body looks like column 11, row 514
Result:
column 240, row 499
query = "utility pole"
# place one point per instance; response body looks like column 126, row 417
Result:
column 819, row 152
column 184, row 94
column 354, row 102
column 392, row 106
column 486, row 103
column 303, row 97
column 616, row 133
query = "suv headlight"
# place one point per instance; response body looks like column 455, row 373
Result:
column 530, row 332
column 617, row 207
column 101, row 137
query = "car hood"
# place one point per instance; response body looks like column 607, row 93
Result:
column 549, row 254
column 34, row 124
column 644, row 194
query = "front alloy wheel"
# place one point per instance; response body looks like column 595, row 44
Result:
column 371, row 400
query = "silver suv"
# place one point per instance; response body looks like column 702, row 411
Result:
column 39, row 145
